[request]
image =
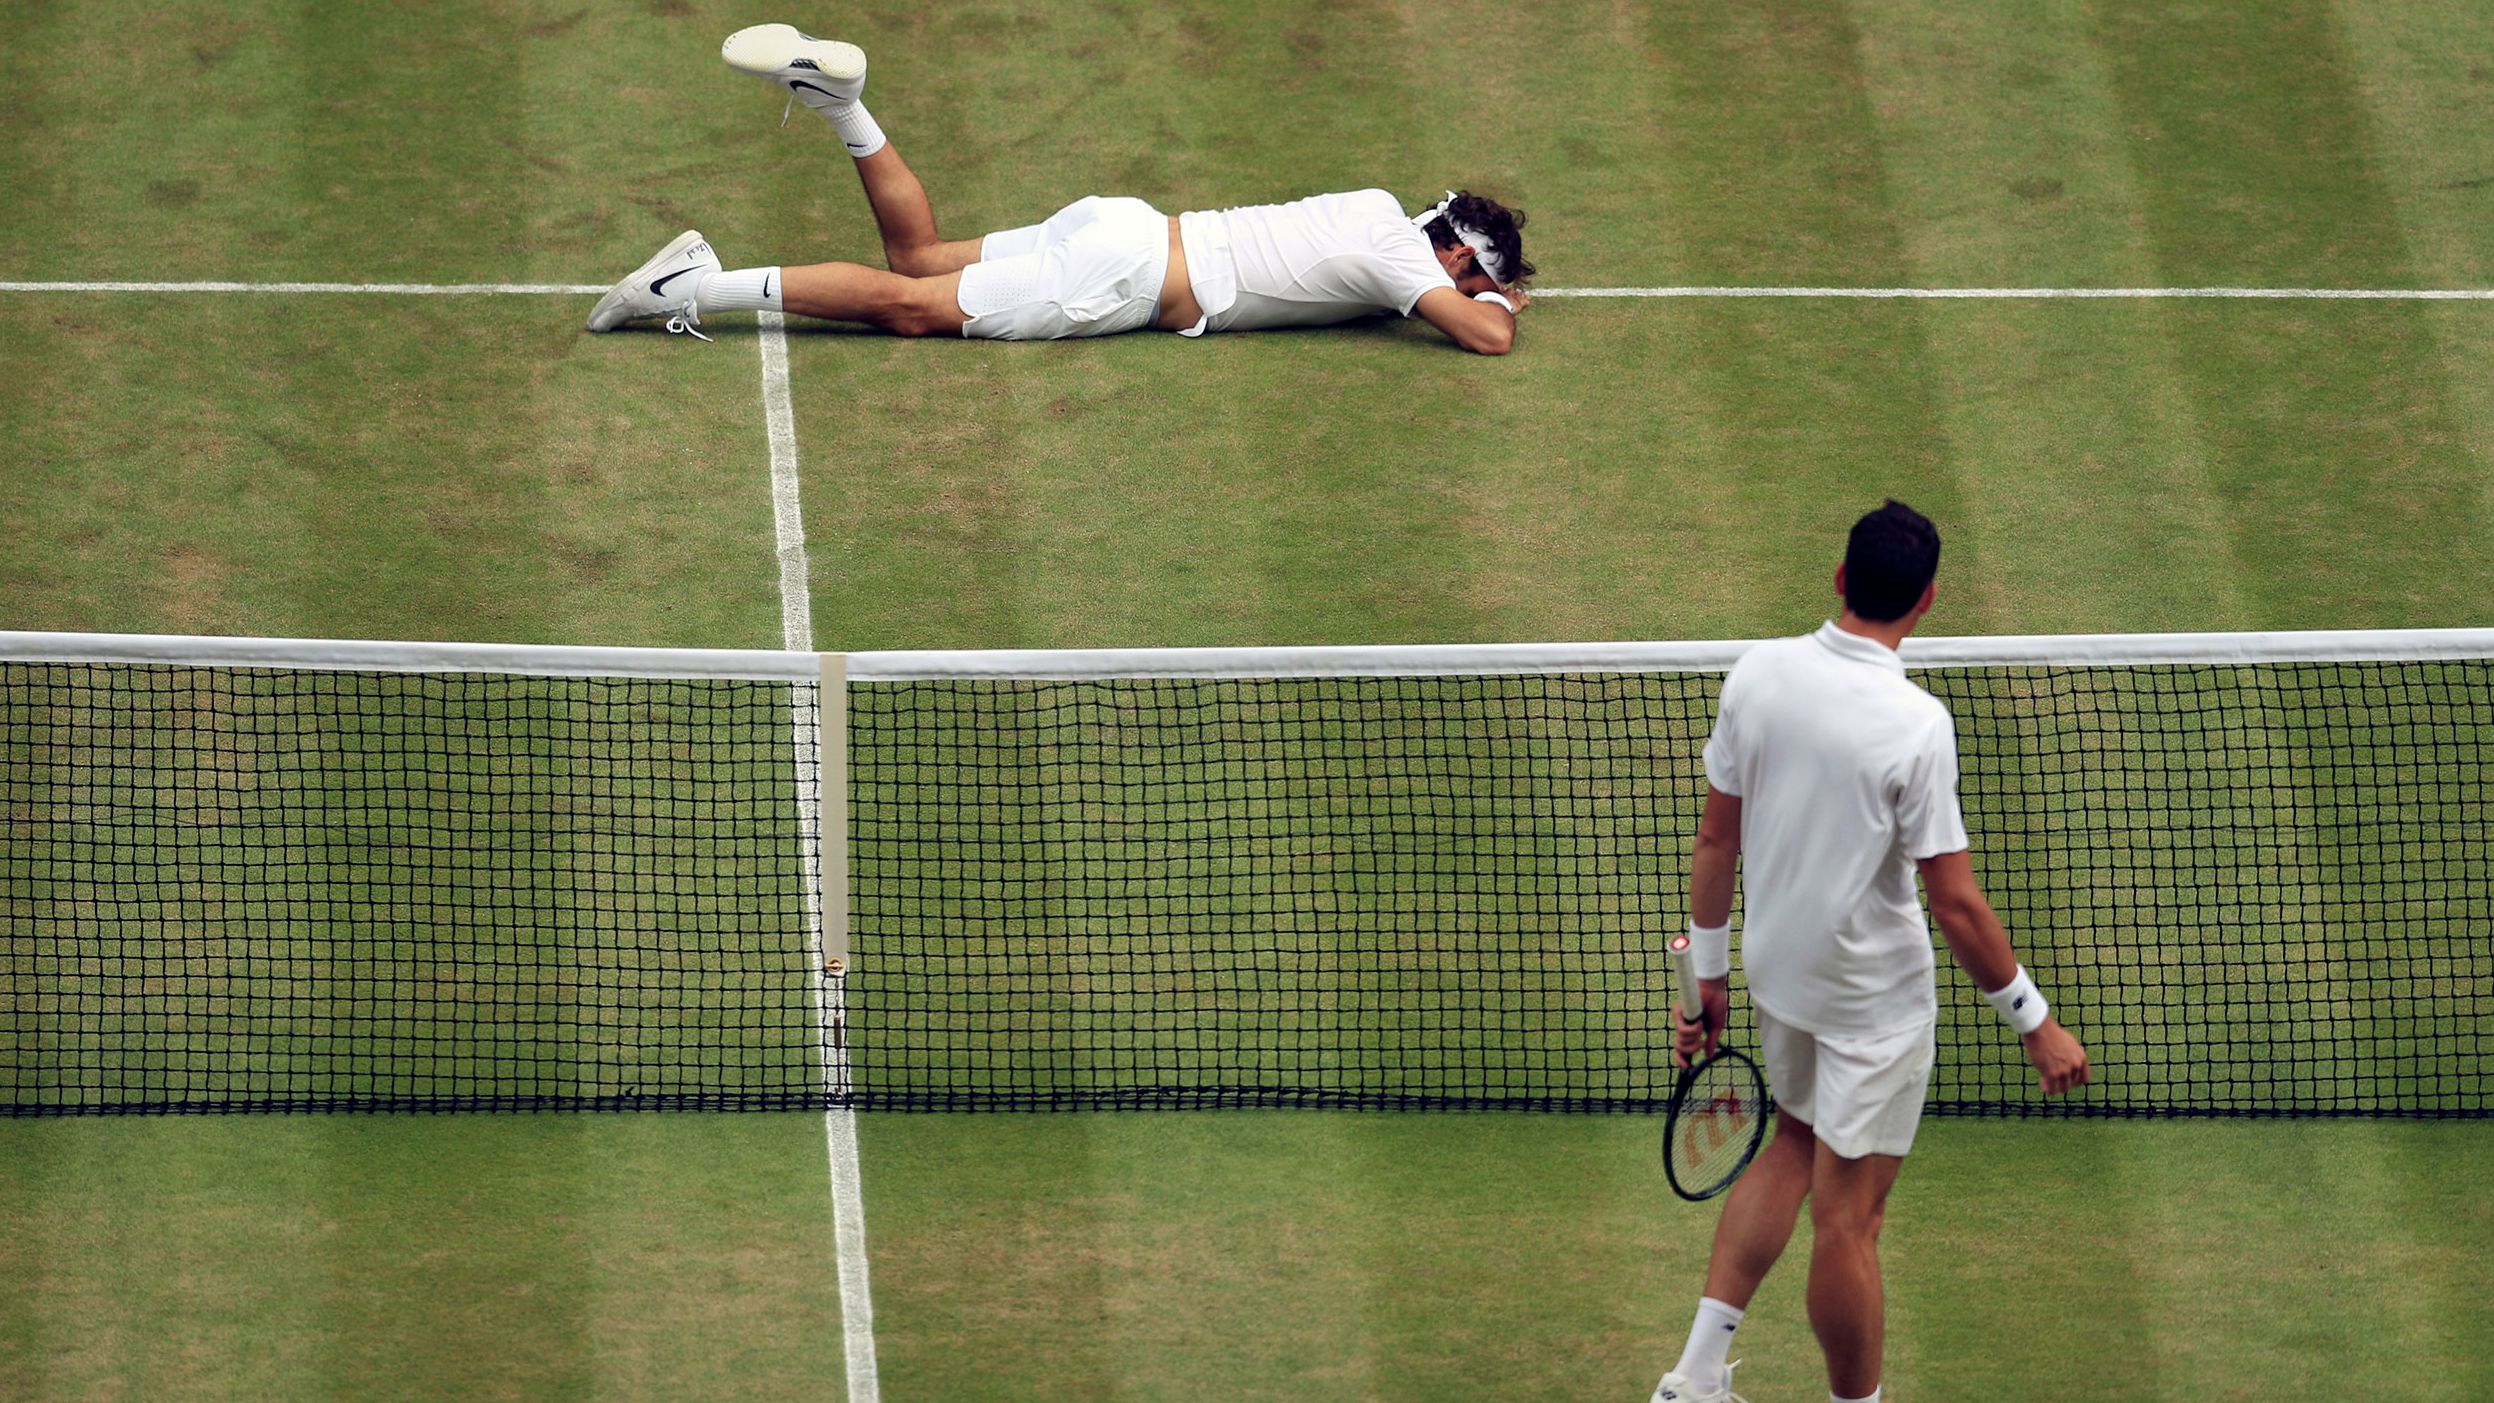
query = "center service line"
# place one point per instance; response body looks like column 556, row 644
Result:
column 796, row 614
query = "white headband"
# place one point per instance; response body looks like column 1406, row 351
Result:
column 1473, row 239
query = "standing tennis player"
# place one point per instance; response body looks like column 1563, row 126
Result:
column 1100, row 265
column 1835, row 778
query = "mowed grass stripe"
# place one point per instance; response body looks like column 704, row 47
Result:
column 2331, row 445
column 1802, row 417
column 1406, row 1256
column 442, row 468
column 403, row 145
column 1135, row 491
column 2315, row 1302
column 2443, row 1265
column 484, row 1256
column 142, row 1264
column 2434, row 158
column 2002, row 135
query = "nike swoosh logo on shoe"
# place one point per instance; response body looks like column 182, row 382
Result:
column 659, row 288
column 809, row 87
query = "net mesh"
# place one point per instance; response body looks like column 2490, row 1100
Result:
column 240, row 889
column 2254, row 889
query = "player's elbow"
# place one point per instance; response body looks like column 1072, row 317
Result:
column 1492, row 340
column 1951, row 911
column 1959, row 910
column 1718, row 841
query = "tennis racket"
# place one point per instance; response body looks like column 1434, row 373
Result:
column 1718, row 1113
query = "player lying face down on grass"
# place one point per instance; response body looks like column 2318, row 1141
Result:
column 1101, row 265
column 1831, row 783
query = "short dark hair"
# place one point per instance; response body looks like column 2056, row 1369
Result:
column 1503, row 227
column 1889, row 561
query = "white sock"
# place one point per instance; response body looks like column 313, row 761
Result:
column 744, row 290
column 1710, row 1342
column 856, row 126
column 1870, row 1397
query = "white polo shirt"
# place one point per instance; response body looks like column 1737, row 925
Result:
column 1847, row 774
column 1312, row 262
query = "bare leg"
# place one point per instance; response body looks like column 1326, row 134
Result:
column 906, row 219
column 1759, row 1214
column 853, row 292
column 1847, row 1309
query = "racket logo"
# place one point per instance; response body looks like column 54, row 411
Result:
column 1717, row 1124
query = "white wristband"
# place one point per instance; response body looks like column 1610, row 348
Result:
column 2020, row 1003
column 1710, row 950
column 1498, row 297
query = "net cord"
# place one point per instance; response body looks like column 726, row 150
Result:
column 1493, row 659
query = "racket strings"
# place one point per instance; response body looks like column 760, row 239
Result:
column 1715, row 1126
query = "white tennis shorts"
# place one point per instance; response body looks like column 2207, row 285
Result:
column 1094, row 269
column 1862, row 1095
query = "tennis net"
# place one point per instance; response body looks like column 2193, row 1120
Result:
column 245, row 874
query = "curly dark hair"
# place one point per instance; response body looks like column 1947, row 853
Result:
column 1503, row 226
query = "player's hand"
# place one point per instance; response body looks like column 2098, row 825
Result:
column 1518, row 296
column 2060, row 1062
column 1689, row 1039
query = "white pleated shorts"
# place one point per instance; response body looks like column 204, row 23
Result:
column 1093, row 269
column 1863, row 1096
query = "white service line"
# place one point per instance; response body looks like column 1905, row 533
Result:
column 383, row 289
column 2022, row 294
column 1993, row 294
column 796, row 616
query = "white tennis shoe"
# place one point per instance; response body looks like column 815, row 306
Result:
column 820, row 73
column 663, row 287
column 1676, row 1388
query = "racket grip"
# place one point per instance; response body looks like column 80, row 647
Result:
column 1684, row 965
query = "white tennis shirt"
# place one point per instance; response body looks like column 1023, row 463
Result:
column 1311, row 262
column 1847, row 774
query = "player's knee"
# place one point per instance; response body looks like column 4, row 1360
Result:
column 918, row 312
column 926, row 321
column 1840, row 1216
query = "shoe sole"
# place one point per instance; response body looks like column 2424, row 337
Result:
column 771, row 50
column 614, row 298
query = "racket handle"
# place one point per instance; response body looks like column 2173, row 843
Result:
column 1684, row 965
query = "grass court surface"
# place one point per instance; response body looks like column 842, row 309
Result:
column 477, row 468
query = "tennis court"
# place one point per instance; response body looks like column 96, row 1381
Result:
column 1660, row 460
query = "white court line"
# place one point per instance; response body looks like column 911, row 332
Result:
column 2013, row 294
column 848, row 1204
column 1996, row 294
column 384, row 289
column 796, row 606
column 796, row 618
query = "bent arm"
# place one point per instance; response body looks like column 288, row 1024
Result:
column 1981, row 948
column 1967, row 921
column 1485, row 327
